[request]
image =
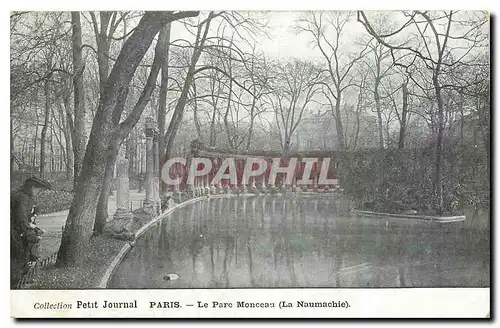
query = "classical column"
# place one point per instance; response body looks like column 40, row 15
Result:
column 206, row 185
column 315, row 183
column 263, row 187
column 244, row 209
column 177, row 194
column 121, row 226
column 294, row 184
column 151, row 202
column 122, row 191
column 252, row 188
column 156, row 167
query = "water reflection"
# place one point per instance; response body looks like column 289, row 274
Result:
column 303, row 242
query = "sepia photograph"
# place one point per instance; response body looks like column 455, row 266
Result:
column 247, row 152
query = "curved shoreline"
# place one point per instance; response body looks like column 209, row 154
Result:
column 410, row 216
column 128, row 246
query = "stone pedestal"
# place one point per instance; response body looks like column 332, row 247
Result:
column 315, row 185
column 189, row 191
column 218, row 188
column 121, row 226
column 236, row 190
column 263, row 188
column 252, row 188
column 177, row 196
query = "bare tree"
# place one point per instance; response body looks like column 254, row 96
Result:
column 107, row 132
column 104, row 31
column 162, row 101
column 297, row 86
column 319, row 25
column 260, row 77
column 435, row 46
column 204, row 43
column 379, row 72
column 169, row 136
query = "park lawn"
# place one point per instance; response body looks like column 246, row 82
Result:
column 101, row 252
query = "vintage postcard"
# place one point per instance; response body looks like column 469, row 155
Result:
column 250, row 164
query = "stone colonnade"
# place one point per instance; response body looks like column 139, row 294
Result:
column 122, row 224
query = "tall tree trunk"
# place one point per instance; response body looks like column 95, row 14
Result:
column 379, row 114
column 359, row 103
column 162, row 100
column 438, row 183
column 195, row 114
column 462, row 121
column 69, row 157
column 103, row 45
column 130, row 152
column 51, row 143
column 404, row 112
column 226, row 114
column 80, row 222
column 212, row 128
column 338, row 122
column 215, row 101
column 78, row 96
column 102, row 206
column 176, row 120
column 68, row 123
column 35, row 140
column 252, row 120
column 63, row 158
column 43, row 135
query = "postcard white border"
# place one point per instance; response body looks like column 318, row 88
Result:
column 437, row 294
column 254, row 303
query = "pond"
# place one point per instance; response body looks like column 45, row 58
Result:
column 302, row 241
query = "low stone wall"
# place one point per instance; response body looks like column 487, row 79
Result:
column 410, row 216
column 126, row 248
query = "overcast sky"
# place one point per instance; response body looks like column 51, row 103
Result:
column 283, row 41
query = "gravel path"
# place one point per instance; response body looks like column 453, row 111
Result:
column 53, row 223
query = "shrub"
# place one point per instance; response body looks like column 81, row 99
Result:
column 400, row 180
column 50, row 201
